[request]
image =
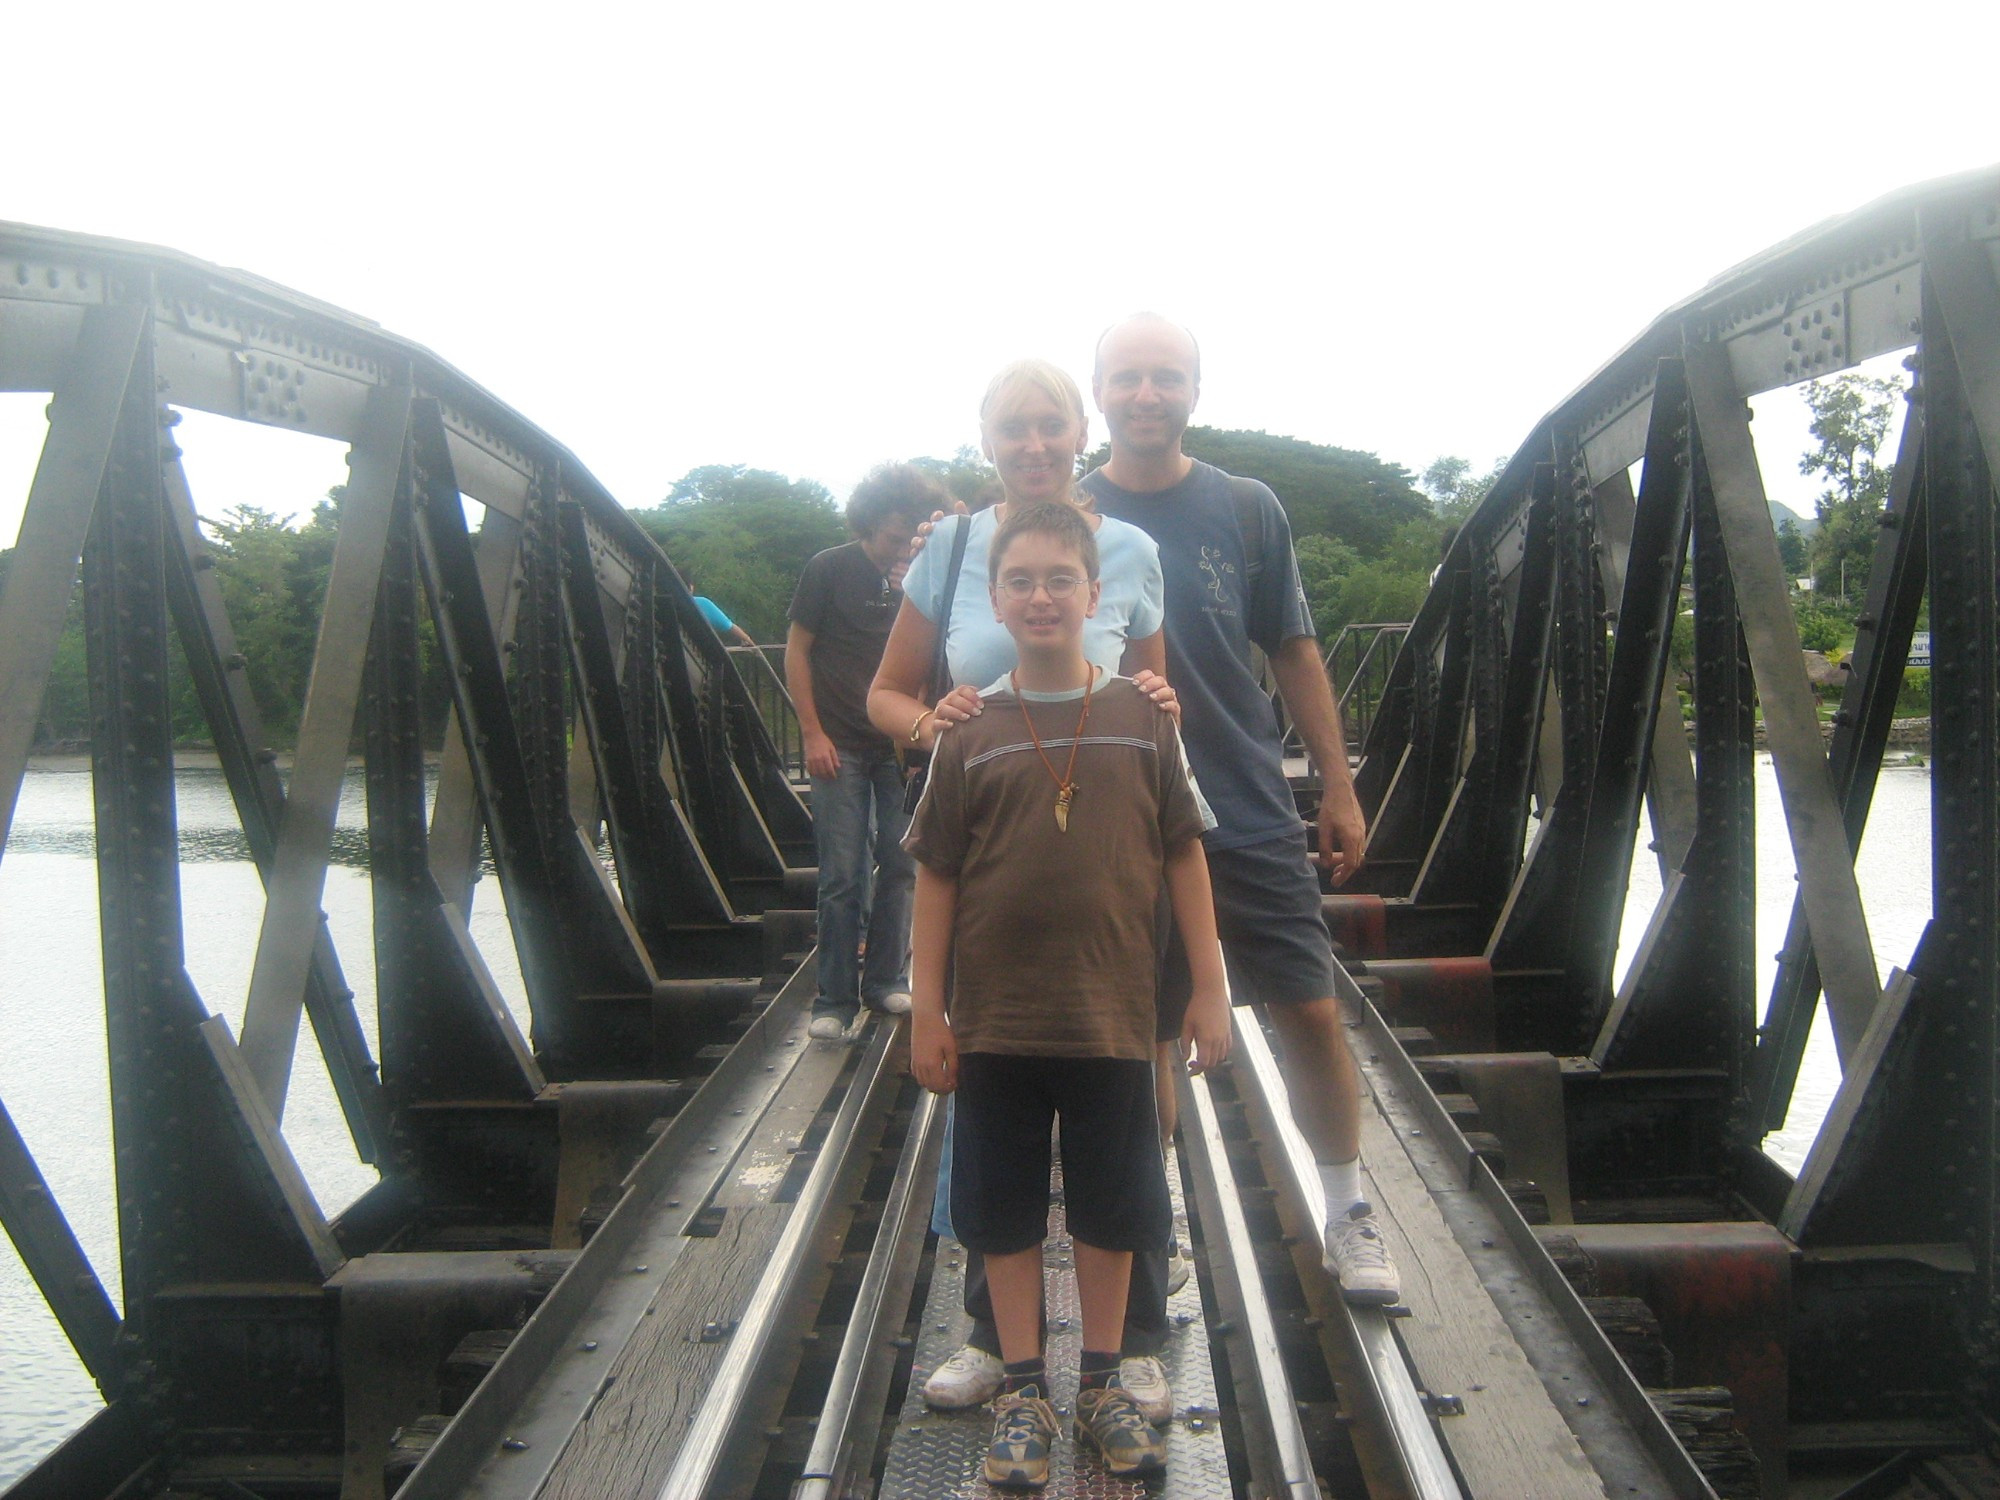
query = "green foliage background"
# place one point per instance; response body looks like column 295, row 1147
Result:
column 1367, row 532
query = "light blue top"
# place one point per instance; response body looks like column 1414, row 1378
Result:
column 977, row 646
column 712, row 612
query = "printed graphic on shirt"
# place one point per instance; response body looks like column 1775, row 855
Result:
column 1215, row 568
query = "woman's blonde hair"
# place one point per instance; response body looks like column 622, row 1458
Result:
column 1024, row 375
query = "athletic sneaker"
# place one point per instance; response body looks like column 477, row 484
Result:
column 895, row 1003
column 971, row 1377
column 1024, row 1430
column 1357, row 1256
column 1110, row 1420
column 1178, row 1270
column 826, row 1028
column 1145, row 1381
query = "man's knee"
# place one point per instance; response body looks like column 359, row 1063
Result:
column 1319, row 1026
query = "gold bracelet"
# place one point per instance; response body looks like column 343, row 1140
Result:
column 917, row 726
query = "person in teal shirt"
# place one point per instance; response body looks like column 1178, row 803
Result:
column 720, row 621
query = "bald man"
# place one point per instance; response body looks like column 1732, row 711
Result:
column 1232, row 581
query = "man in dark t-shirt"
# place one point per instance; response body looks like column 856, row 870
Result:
column 1222, row 599
column 846, row 601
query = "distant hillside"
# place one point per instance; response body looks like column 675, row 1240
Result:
column 1782, row 513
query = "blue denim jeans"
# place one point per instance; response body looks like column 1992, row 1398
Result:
column 866, row 882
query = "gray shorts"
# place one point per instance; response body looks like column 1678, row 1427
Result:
column 1274, row 941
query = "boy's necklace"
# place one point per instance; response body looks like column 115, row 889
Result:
column 1065, row 785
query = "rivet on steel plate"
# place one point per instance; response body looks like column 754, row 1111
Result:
column 515, row 1445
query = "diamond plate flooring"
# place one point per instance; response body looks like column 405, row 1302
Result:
column 937, row 1454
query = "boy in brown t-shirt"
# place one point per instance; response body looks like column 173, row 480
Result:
column 1048, row 826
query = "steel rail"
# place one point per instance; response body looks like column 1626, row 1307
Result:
column 1224, row 1228
column 879, row 1305
column 1625, row 1429
column 512, row 1429
column 1389, row 1386
column 702, row 1450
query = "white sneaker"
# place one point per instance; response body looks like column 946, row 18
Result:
column 971, row 1377
column 1145, row 1381
column 826, row 1028
column 1178, row 1269
column 1357, row 1256
column 895, row 1003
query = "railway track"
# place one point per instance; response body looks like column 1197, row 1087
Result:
column 753, row 1316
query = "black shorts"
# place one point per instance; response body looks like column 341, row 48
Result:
column 1114, row 1178
column 1274, row 942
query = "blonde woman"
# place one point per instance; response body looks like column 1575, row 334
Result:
column 1033, row 428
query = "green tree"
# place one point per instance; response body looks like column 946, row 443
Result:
column 1851, row 417
column 1325, row 491
column 966, row 474
column 1819, row 628
column 743, row 536
column 1792, row 550
column 1324, row 565
column 1455, row 491
column 273, row 600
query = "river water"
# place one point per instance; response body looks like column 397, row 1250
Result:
column 52, row 1066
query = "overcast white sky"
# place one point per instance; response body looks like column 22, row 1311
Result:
column 801, row 237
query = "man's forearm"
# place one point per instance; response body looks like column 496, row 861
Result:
column 798, row 679
column 1309, row 700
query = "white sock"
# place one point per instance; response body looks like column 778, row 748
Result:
column 1341, row 1181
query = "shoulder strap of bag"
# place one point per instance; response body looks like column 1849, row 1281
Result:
column 1249, row 524
column 940, row 666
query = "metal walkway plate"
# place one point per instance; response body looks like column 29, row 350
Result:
column 936, row 1454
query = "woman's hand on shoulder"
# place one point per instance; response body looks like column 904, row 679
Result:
column 957, row 706
column 925, row 529
column 1155, row 687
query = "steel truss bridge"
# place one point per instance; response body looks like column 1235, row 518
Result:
column 669, row 1247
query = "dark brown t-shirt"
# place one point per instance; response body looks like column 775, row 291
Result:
column 1052, row 942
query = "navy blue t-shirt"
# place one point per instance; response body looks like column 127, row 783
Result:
column 1227, row 724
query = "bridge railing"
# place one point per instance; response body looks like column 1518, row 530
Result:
column 1530, row 729
column 475, row 557
column 763, row 670
column 1357, row 664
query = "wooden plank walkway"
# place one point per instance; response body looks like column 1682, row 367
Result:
column 1511, row 1440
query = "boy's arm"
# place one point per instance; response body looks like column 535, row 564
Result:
column 933, row 1047
column 1206, row 1028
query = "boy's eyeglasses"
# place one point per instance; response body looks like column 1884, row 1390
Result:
column 1059, row 586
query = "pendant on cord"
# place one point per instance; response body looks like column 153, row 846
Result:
column 1063, row 795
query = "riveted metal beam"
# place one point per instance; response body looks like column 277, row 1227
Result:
column 297, row 878
column 49, row 1250
column 235, row 725
column 1819, row 844
column 83, row 415
column 1897, row 576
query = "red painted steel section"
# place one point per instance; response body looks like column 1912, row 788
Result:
column 1723, row 1295
column 1451, row 996
column 1359, row 924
